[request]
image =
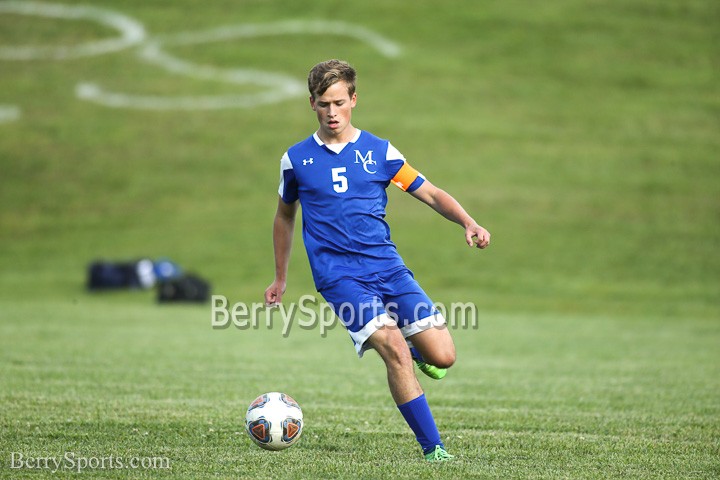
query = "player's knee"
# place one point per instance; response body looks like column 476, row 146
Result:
column 447, row 360
column 392, row 348
column 398, row 354
column 399, row 359
column 444, row 359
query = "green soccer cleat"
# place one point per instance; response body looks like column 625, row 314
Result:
column 431, row 370
column 438, row 455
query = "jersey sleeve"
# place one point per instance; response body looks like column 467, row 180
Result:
column 288, row 189
column 405, row 177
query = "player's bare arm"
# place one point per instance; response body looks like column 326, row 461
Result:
column 443, row 203
column 283, row 228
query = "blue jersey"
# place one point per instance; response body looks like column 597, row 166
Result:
column 343, row 199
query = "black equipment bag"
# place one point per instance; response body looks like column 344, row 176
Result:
column 189, row 288
column 103, row 275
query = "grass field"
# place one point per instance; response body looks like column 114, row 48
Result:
column 583, row 135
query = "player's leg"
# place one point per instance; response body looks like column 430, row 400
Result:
column 435, row 345
column 374, row 328
column 421, row 323
column 390, row 344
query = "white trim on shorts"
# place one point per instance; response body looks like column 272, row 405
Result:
column 360, row 337
column 434, row 320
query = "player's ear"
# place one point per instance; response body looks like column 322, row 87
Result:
column 353, row 100
column 312, row 102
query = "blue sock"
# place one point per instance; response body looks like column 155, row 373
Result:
column 416, row 354
column 417, row 414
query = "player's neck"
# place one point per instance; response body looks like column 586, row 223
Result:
column 343, row 137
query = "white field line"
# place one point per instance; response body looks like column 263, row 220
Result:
column 384, row 46
column 274, row 87
column 277, row 87
column 9, row 113
column 131, row 31
column 153, row 54
column 94, row 93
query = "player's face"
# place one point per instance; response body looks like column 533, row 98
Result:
column 334, row 110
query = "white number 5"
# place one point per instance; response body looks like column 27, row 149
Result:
column 340, row 184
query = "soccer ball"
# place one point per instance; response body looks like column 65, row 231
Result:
column 274, row 421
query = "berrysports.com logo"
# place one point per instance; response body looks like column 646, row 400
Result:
column 72, row 462
column 309, row 313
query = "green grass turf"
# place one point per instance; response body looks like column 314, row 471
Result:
column 584, row 135
column 531, row 397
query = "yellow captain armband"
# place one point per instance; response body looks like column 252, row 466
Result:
column 405, row 177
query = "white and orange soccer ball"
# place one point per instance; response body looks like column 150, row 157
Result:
column 274, row 421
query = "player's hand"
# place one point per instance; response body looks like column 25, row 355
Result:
column 475, row 235
column 274, row 293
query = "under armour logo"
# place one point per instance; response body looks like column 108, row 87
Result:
column 310, row 161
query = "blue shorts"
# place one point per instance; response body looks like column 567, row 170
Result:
column 393, row 298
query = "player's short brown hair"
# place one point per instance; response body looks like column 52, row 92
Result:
column 328, row 73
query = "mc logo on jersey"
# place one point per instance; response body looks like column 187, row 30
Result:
column 366, row 160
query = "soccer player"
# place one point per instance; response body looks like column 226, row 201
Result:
column 339, row 175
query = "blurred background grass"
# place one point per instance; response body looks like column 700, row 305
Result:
column 583, row 135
